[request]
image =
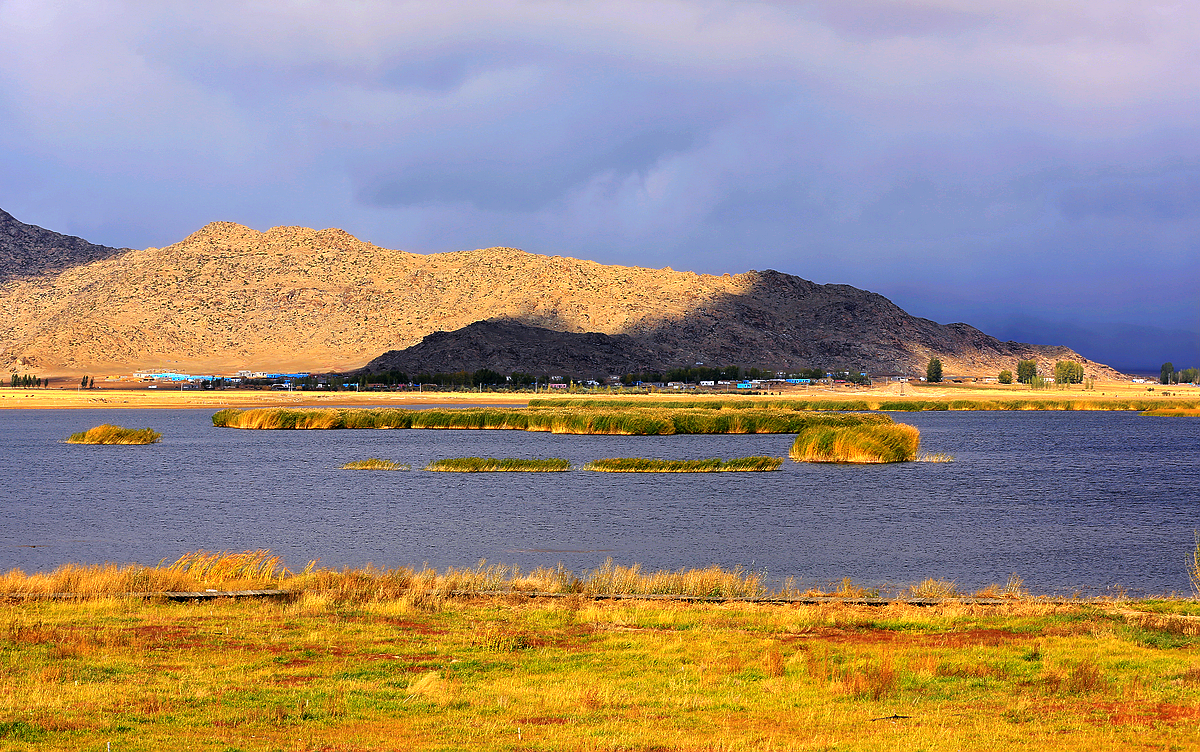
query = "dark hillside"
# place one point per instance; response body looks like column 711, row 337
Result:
column 31, row 251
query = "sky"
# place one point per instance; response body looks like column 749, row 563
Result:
column 1031, row 168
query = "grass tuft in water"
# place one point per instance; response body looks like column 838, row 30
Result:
column 493, row 465
column 374, row 463
column 864, row 444
column 934, row 457
column 716, row 465
column 106, row 434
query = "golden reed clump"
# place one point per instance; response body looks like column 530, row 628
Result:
column 865, row 444
column 108, row 434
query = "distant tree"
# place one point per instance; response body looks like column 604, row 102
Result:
column 1188, row 376
column 1026, row 371
column 854, row 377
column 1006, row 377
column 1068, row 372
column 933, row 371
column 649, row 377
column 1166, row 373
column 14, row 380
column 92, row 383
column 83, row 383
column 487, row 377
column 810, row 373
column 521, row 379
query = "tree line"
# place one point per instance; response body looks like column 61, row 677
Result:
column 487, row 377
column 1168, row 375
column 25, row 381
column 1065, row 372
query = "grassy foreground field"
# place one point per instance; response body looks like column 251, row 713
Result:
column 395, row 660
column 320, row 673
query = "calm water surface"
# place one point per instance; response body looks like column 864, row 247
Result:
column 1068, row 501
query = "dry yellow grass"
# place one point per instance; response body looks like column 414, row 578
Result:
column 141, row 398
column 197, row 571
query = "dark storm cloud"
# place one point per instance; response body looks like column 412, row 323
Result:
column 973, row 160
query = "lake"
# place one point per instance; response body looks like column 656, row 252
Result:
column 1072, row 502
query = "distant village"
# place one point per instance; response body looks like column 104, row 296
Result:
column 699, row 379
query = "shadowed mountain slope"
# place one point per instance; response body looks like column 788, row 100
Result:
column 228, row 297
column 508, row 346
column 30, row 251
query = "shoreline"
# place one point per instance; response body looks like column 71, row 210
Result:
column 53, row 399
column 141, row 398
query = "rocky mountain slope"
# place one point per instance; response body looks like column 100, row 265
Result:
column 30, row 251
column 508, row 346
column 228, row 297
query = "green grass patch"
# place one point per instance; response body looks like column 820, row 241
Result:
column 640, row 465
column 374, row 463
column 493, row 465
column 107, row 434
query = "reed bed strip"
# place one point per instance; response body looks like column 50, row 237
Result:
column 374, row 463
column 716, row 465
column 260, row 570
column 627, row 422
column 743, row 403
column 493, row 465
column 192, row 572
column 1173, row 412
column 109, row 434
column 1084, row 404
column 253, row 574
column 865, row 444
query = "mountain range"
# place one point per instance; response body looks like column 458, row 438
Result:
column 228, row 298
